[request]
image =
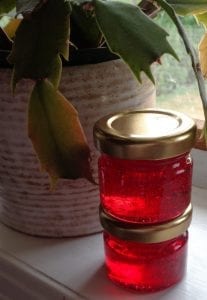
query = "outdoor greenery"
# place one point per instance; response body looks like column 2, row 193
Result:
column 175, row 80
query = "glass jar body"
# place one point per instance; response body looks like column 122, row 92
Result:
column 145, row 191
column 145, row 267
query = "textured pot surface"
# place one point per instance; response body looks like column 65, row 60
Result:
column 27, row 203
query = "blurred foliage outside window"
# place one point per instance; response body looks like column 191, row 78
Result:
column 175, row 81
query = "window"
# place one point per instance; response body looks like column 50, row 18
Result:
column 176, row 84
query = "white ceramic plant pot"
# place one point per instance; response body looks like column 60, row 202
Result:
column 27, row 203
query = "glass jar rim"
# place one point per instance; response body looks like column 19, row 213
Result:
column 147, row 233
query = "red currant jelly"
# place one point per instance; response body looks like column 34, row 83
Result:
column 145, row 191
column 145, row 172
column 145, row 167
column 145, row 267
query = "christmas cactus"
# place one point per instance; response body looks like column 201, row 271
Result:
column 40, row 34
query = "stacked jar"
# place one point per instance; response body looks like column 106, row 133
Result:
column 145, row 178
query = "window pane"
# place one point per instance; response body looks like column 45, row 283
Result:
column 176, row 84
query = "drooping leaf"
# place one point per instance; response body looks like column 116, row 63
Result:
column 56, row 134
column 132, row 35
column 203, row 55
column 202, row 18
column 11, row 27
column 56, row 71
column 6, row 6
column 185, row 7
column 39, row 39
column 28, row 6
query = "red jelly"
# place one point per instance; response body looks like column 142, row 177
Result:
column 145, row 169
column 145, row 191
column 143, row 257
column 145, row 267
column 145, row 175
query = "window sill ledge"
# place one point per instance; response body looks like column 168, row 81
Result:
column 36, row 268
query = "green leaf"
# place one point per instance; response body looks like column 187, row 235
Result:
column 132, row 35
column 39, row 40
column 6, row 6
column 84, row 30
column 185, row 7
column 56, row 134
column 203, row 55
column 27, row 6
column 11, row 27
column 56, row 72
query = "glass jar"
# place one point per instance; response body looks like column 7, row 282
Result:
column 145, row 170
column 146, row 258
column 145, row 191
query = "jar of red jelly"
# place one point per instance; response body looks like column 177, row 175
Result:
column 146, row 257
column 145, row 169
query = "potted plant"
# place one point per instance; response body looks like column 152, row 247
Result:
column 40, row 46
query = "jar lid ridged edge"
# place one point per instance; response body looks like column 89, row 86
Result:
column 120, row 143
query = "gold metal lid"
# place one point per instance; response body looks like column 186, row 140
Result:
column 145, row 134
column 147, row 233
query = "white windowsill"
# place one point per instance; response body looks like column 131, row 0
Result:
column 34, row 268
